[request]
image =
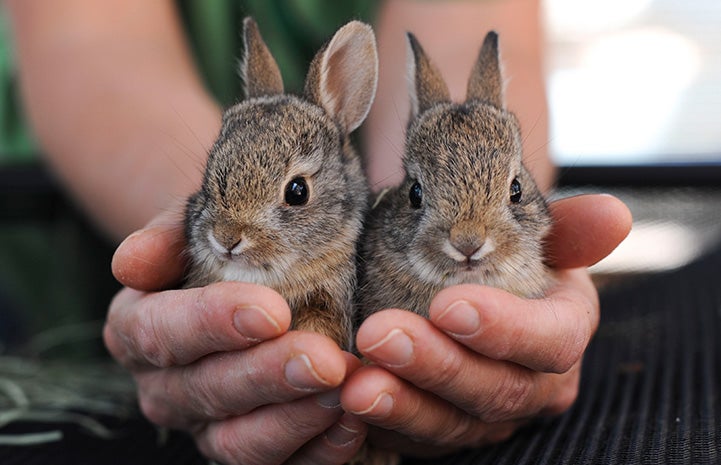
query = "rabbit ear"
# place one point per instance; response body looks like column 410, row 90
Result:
column 426, row 85
column 343, row 75
column 486, row 81
column 258, row 69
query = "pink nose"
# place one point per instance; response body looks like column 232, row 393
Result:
column 468, row 246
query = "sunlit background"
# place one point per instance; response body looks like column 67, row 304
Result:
column 632, row 81
column 636, row 82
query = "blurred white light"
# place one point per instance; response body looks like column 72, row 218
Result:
column 653, row 246
column 581, row 18
column 621, row 95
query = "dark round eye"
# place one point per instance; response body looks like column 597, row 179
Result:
column 416, row 195
column 515, row 191
column 296, row 192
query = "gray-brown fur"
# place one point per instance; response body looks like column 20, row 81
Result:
column 305, row 252
column 465, row 157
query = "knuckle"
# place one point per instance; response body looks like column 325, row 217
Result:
column 509, row 398
column 296, row 426
column 447, row 372
column 148, row 342
column 153, row 410
column 229, row 446
column 499, row 433
column 572, row 350
column 113, row 344
column 205, row 399
column 564, row 397
column 458, row 433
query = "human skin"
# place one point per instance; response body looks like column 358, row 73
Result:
column 118, row 107
column 472, row 389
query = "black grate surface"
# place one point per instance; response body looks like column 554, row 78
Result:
column 651, row 383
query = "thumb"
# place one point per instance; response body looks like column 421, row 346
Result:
column 152, row 258
column 586, row 228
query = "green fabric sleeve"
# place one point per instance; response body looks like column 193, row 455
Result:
column 16, row 143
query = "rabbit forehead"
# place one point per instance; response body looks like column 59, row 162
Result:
column 264, row 141
column 473, row 147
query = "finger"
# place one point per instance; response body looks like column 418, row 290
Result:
column 268, row 435
column 586, row 228
column 548, row 334
column 337, row 445
column 152, row 258
column 222, row 385
column 177, row 327
column 382, row 399
column 412, row 348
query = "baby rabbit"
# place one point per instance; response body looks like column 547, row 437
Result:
column 467, row 211
column 284, row 195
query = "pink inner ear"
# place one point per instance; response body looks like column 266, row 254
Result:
column 349, row 74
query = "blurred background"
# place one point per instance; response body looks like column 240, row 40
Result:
column 635, row 108
column 634, row 90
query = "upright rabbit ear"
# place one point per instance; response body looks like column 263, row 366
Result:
column 486, row 81
column 258, row 69
column 426, row 85
column 343, row 75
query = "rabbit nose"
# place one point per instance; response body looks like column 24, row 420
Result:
column 226, row 242
column 468, row 247
column 467, row 240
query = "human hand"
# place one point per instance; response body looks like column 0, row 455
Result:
column 220, row 362
column 486, row 361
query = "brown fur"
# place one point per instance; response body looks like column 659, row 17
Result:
column 238, row 225
column 465, row 157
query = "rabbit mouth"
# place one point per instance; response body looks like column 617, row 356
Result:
column 469, row 265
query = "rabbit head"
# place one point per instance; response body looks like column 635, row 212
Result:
column 468, row 208
column 283, row 188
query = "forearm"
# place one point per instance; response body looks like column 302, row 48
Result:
column 116, row 104
column 452, row 33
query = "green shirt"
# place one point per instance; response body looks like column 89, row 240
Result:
column 293, row 30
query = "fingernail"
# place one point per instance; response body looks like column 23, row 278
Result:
column 329, row 399
column 344, row 432
column 255, row 323
column 381, row 406
column 459, row 318
column 299, row 373
column 396, row 349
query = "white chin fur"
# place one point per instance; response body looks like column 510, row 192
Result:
column 424, row 269
column 233, row 271
column 273, row 276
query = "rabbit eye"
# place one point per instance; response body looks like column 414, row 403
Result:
column 416, row 195
column 296, row 192
column 515, row 191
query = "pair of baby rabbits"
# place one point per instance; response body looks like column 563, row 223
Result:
column 284, row 202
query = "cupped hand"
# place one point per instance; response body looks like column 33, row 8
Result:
column 486, row 361
column 220, row 362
